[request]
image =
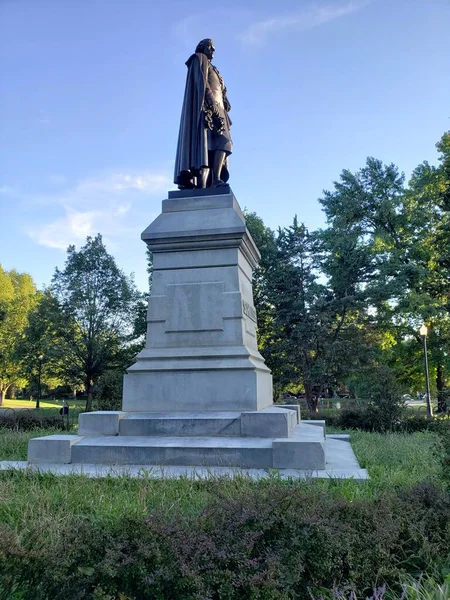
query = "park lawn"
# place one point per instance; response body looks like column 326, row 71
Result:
column 45, row 404
column 48, row 408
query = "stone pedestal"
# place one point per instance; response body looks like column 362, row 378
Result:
column 201, row 352
column 199, row 393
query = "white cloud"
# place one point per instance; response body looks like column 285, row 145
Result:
column 72, row 228
column 307, row 18
column 96, row 204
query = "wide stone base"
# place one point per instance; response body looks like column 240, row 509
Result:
column 269, row 439
column 212, row 387
column 340, row 463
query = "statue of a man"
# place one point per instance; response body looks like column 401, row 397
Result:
column 204, row 141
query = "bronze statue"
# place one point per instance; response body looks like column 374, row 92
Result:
column 204, row 141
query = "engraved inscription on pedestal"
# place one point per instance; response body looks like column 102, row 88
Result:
column 195, row 307
column 249, row 310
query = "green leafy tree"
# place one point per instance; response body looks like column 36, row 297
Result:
column 313, row 325
column 98, row 302
column 265, row 241
column 41, row 348
column 429, row 212
column 17, row 298
column 404, row 233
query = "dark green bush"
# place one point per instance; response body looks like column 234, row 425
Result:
column 108, row 390
column 363, row 419
column 27, row 420
column 442, row 428
column 331, row 419
column 264, row 541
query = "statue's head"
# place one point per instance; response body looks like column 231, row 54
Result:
column 206, row 47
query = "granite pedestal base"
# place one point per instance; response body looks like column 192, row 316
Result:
column 199, row 393
column 269, row 439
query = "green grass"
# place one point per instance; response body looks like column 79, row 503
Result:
column 393, row 461
column 44, row 404
column 47, row 407
column 14, row 444
column 398, row 459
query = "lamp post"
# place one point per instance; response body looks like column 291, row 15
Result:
column 423, row 332
column 40, row 359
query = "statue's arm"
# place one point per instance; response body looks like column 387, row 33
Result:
column 209, row 100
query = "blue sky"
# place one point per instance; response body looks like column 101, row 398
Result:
column 91, row 94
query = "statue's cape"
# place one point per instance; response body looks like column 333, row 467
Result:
column 192, row 150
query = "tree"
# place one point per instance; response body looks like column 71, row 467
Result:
column 429, row 210
column 17, row 297
column 265, row 241
column 98, row 303
column 40, row 349
column 312, row 323
column 405, row 234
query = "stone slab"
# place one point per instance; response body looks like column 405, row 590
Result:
column 271, row 422
column 304, row 449
column 104, row 422
column 316, row 423
column 295, row 407
column 292, row 454
column 189, row 451
column 52, row 448
column 198, row 193
column 341, row 464
column 227, row 389
column 181, row 424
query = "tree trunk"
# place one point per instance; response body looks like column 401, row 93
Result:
column 89, row 395
column 3, row 395
column 311, row 400
column 441, row 400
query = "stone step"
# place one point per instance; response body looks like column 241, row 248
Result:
column 303, row 449
column 181, row 424
column 165, row 450
column 271, row 422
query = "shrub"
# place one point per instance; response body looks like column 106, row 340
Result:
column 27, row 420
column 363, row 419
column 262, row 541
column 108, row 390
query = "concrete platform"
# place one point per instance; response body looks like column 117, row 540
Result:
column 303, row 449
column 341, row 463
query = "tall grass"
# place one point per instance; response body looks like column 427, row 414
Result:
column 399, row 459
column 14, row 444
column 394, row 461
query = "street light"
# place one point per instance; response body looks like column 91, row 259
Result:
column 423, row 332
column 40, row 359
